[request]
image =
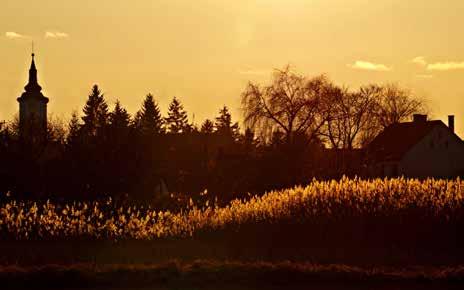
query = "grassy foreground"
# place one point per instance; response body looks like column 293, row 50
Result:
column 386, row 200
column 231, row 275
column 395, row 222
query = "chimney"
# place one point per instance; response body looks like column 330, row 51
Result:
column 419, row 118
column 451, row 122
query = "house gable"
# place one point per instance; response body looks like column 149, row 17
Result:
column 397, row 139
column 440, row 153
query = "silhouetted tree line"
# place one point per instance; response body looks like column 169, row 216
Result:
column 166, row 160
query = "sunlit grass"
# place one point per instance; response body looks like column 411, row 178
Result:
column 321, row 199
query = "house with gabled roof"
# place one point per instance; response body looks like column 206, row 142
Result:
column 420, row 149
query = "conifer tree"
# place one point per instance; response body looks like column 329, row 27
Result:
column 119, row 119
column 136, row 121
column 95, row 113
column 74, row 129
column 149, row 118
column 119, row 124
column 207, row 127
column 224, row 124
column 176, row 121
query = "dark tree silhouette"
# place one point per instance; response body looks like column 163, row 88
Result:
column 56, row 130
column 224, row 124
column 351, row 115
column 119, row 151
column 107, row 153
column 150, row 120
column 136, row 122
column 95, row 113
column 118, row 128
column 292, row 103
column 356, row 117
column 393, row 104
column 74, row 128
column 176, row 121
column 396, row 104
column 207, row 127
column 91, row 157
column 119, row 119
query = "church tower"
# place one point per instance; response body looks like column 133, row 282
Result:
column 32, row 106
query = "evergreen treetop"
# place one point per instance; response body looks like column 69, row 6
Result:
column 96, row 114
column 224, row 124
column 74, row 127
column 119, row 118
column 207, row 127
column 149, row 118
column 177, row 121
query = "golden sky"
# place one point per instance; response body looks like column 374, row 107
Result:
column 205, row 51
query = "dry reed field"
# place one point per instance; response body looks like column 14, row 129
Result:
column 351, row 221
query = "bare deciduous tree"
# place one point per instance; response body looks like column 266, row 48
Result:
column 292, row 103
column 396, row 105
column 350, row 116
column 297, row 105
column 355, row 118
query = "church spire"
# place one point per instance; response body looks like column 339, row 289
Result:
column 32, row 105
column 33, row 85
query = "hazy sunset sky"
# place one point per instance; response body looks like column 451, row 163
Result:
column 204, row 52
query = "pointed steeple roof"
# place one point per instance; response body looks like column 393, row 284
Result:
column 33, row 62
column 33, row 90
column 33, row 85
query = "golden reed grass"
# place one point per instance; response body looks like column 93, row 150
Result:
column 320, row 199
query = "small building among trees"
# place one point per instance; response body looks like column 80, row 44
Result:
column 420, row 149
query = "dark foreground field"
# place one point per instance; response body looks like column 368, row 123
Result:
column 230, row 275
column 389, row 222
column 393, row 234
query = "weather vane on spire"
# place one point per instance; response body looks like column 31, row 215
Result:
column 33, row 54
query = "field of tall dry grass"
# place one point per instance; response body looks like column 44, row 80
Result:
column 393, row 199
column 351, row 221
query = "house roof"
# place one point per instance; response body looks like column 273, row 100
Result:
column 397, row 139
